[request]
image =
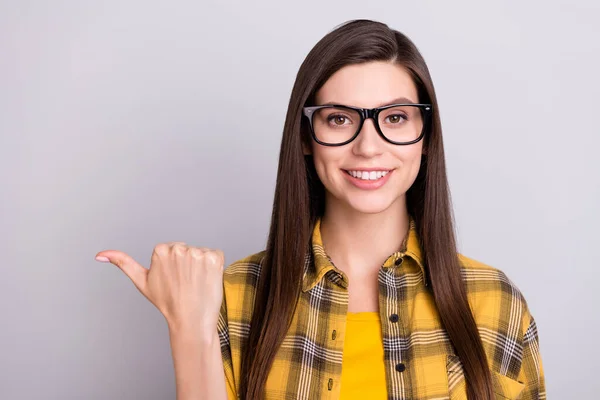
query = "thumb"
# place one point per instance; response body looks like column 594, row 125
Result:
column 131, row 268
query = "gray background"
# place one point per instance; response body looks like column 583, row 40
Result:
column 128, row 123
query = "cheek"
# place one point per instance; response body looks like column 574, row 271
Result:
column 411, row 154
column 326, row 162
column 411, row 161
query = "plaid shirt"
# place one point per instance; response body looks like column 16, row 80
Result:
column 419, row 359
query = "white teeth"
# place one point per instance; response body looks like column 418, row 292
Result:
column 368, row 175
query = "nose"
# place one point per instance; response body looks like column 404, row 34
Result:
column 368, row 143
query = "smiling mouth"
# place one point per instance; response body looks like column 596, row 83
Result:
column 368, row 175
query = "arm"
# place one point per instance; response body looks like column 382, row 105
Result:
column 532, row 371
column 198, row 365
column 203, row 366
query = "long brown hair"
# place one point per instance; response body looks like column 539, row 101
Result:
column 299, row 200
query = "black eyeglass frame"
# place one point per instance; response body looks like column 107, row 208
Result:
column 373, row 113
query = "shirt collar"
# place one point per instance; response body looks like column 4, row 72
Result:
column 318, row 263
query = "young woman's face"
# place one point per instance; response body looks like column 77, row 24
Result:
column 367, row 85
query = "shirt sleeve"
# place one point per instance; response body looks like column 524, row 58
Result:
column 223, row 330
column 532, row 371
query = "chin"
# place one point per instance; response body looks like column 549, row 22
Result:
column 370, row 206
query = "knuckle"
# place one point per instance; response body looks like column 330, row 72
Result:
column 179, row 249
column 197, row 253
column 161, row 249
column 215, row 258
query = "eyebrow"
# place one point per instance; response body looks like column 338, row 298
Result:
column 398, row 100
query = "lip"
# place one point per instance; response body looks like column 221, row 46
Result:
column 368, row 169
column 368, row 185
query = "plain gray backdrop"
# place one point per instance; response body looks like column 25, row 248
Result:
column 128, row 123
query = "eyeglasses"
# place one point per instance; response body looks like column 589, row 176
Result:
column 337, row 125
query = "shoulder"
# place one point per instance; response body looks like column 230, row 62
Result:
column 501, row 314
column 474, row 265
column 493, row 296
column 243, row 269
column 479, row 275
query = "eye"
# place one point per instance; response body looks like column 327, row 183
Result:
column 338, row 119
column 395, row 118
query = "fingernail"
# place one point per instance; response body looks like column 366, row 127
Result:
column 102, row 259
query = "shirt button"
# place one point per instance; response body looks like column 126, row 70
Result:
column 399, row 261
column 394, row 318
column 333, row 334
column 400, row 367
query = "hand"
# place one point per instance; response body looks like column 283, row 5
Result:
column 185, row 283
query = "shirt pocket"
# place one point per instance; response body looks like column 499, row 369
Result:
column 505, row 388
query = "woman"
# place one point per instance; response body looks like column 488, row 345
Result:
column 360, row 292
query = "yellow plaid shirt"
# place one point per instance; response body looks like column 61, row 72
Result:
column 419, row 359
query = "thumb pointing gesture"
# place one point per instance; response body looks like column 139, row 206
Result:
column 184, row 282
column 131, row 268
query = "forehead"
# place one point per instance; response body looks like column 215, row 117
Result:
column 368, row 85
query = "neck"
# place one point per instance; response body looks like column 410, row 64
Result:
column 359, row 243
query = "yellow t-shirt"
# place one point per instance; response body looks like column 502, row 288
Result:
column 363, row 369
